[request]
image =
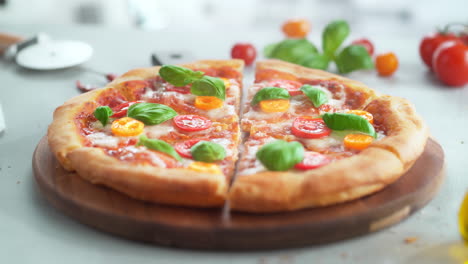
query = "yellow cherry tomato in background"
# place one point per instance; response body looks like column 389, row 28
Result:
column 386, row 63
column 274, row 105
column 463, row 218
column 296, row 28
column 205, row 167
column 364, row 114
column 127, row 127
column 357, row 141
column 208, row 102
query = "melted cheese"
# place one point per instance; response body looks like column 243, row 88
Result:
column 320, row 144
column 101, row 139
column 156, row 131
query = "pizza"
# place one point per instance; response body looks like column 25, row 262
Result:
column 176, row 135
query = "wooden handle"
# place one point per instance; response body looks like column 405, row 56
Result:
column 7, row 40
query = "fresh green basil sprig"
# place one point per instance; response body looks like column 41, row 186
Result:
column 269, row 93
column 179, row 76
column 102, row 113
column 158, row 145
column 202, row 85
column 303, row 52
column 151, row 113
column 207, row 151
column 343, row 121
column 280, row 155
column 316, row 95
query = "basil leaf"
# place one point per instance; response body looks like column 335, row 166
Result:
column 316, row 95
column 292, row 50
column 354, row 57
column 179, row 76
column 342, row 121
column 159, row 145
column 102, row 113
column 333, row 36
column 209, row 86
column 208, row 151
column 269, row 93
column 150, row 113
column 268, row 50
column 315, row 61
column 280, row 155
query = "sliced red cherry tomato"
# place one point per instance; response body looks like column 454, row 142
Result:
column 182, row 90
column 293, row 87
column 366, row 44
column 309, row 127
column 191, row 123
column 183, row 148
column 244, row 51
column 450, row 63
column 312, row 160
column 121, row 110
column 430, row 43
column 326, row 108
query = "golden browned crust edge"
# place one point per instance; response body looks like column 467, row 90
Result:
column 173, row 186
column 341, row 181
column 146, row 73
column 63, row 135
column 308, row 73
column 406, row 132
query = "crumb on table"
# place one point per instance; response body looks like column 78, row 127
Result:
column 410, row 240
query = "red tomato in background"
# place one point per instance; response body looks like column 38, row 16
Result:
column 366, row 44
column 244, row 51
column 430, row 43
column 450, row 63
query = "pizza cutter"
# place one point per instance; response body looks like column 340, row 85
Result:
column 42, row 53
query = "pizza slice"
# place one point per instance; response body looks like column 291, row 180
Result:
column 153, row 144
column 317, row 139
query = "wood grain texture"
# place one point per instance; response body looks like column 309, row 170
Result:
column 112, row 212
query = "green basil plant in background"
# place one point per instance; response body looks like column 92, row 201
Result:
column 305, row 53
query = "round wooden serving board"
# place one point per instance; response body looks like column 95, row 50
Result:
column 112, row 212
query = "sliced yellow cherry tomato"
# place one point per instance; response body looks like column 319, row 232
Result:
column 274, row 105
column 357, row 141
column 208, row 102
column 127, row 127
column 205, row 167
column 226, row 81
column 364, row 114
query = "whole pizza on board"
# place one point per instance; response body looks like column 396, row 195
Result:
column 176, row 135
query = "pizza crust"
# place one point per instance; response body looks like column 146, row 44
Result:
column 406, row 132
column 175, row 186
column 340, row 181
column 304, row 74
column 63, row 134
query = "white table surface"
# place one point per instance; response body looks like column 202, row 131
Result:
column 31, row 231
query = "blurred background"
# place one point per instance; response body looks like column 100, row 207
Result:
column 200, row 15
